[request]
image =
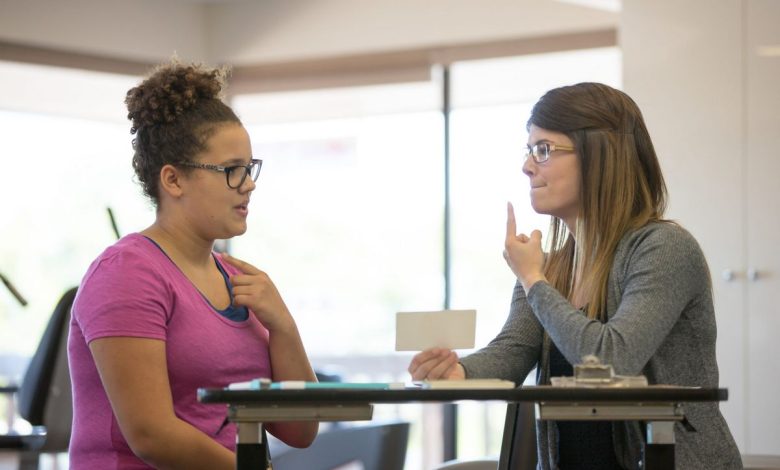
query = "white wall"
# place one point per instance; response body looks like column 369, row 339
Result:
column 710, row 102
column 684, row 70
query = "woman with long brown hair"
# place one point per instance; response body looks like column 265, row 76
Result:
column 616, row 281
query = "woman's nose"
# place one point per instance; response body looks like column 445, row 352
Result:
column 248, row 186
column 529, row 166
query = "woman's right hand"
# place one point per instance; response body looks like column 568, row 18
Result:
column 252, row 288
column 436, row 364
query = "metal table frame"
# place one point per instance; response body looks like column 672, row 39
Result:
column 660, row 406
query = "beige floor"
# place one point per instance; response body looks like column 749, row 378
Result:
column 761, row 462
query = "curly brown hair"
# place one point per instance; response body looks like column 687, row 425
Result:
column 173, row 113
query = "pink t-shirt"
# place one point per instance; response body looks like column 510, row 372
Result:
column 133, row 289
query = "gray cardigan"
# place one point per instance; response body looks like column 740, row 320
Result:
column 661, row 324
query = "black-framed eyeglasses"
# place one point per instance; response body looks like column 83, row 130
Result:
column 541, row 151
column 234, row 175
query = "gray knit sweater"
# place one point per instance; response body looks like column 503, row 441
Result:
column 661, row 324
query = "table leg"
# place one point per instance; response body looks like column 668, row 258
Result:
column 659, row 450
column 251, row 448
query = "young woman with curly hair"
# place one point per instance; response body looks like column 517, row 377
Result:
column 159, row 313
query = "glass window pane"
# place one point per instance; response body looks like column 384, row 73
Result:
column 347, row 220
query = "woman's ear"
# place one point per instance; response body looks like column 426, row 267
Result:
column 170, row 181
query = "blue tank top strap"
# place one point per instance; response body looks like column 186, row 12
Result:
column 232, row 312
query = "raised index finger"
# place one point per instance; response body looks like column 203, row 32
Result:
column 511, row 226
column 242, row 266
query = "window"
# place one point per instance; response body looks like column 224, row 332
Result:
column 347, row 219
column 66, row 156
column 347, row 215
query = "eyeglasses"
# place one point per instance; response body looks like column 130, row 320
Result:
column 541, row 151
column 234, row 175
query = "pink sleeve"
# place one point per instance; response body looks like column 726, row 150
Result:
column 121, row 295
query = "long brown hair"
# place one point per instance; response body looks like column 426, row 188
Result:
column 622, row 187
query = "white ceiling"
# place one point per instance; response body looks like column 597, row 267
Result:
column 606, row 5
column 246, row 32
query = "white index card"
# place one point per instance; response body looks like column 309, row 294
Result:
column 451, row 329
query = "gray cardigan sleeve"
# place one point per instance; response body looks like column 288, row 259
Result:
column 515, row 351
column 658, row 271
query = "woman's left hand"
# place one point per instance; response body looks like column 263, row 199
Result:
column 255, row 290
column 522, row 253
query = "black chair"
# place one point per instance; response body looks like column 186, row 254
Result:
column 44, row 396
column 518, row 447
column 377, row 446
